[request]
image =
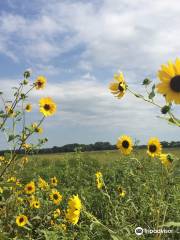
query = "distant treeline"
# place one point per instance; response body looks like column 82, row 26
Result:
column 98, row 146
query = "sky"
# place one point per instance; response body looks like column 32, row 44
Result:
column 78, row 46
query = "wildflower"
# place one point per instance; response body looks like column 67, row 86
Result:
column 55, row 196
column 12, row 179
column 169, row 76
column 118, row 87
column 34, row 203
column 20, row 200
column 121, row 192
column 2, row 158
column 54, row 181
column 166, row 159
column 26, row 146
column 61, row 226
column 30, row 188
column 24, row 160
column 47, row 106
column 36, row 128
column 42, row 184
column 18, row 183
column 28, row 107
column 57, row 213
column 9, row 111
column 21, row 220
column 40, row 82
column 154, row 147
column 99, row 180
column 125, row 144
column 74, row 209
column 1, row 190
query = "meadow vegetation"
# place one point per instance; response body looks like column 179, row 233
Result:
column 88, row 195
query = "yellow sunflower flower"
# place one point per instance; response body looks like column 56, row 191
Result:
column 2, row 158
column 36, row 128
column 121, row 192
column 47, row 106
column 74, row 209
column 57, row 213
column 170, row 81
column 30, row 188
column 99, row 180
column 35, row 203
column 166, row 160
column 1, row 190
column 55, row 196
column 24, row 160
column 125, row 144
column 26, row 146
column 42, row 184
column 9, row 111
column 40, row 82
column 21, row 220
column 54, row 181
column 118, row 87
column 154, row 147
column 28, row 107
column 12, row 179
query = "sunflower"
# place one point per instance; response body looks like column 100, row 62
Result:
column 121, row 192
column 47, row 106
column 1, row 190
column 30, row 188
column 74, row 209
column 154, row 147
column 55, row 196
column 54, row 181
column 36, row 128
column 42, row 184
column 166, row 159
column 2, row 158
column 57, row 213
column 21, row 220
column 118, row 87
column 125, row 145
column 40, row 82
column 28, row 107
column 35, row 203
column 170, row 81
column 99, row 180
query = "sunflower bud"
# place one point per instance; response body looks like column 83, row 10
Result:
column 25, row 82
column 27, row 73
column 146, row 81
column 165, row 109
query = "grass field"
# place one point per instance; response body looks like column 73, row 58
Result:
column 151, row 198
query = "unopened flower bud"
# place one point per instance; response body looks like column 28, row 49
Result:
column 165, row 109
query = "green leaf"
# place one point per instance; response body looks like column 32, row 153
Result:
column 12, row 137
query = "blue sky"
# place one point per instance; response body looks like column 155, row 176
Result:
column 78, row 45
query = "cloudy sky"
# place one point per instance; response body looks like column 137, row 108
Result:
column 78, row 46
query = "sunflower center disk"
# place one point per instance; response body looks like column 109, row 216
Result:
column 55, row 196
column 46, row 107
column 121, row 89
column 152, row 148
column 175, row 83
column 125, row 144
column 21, row 220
